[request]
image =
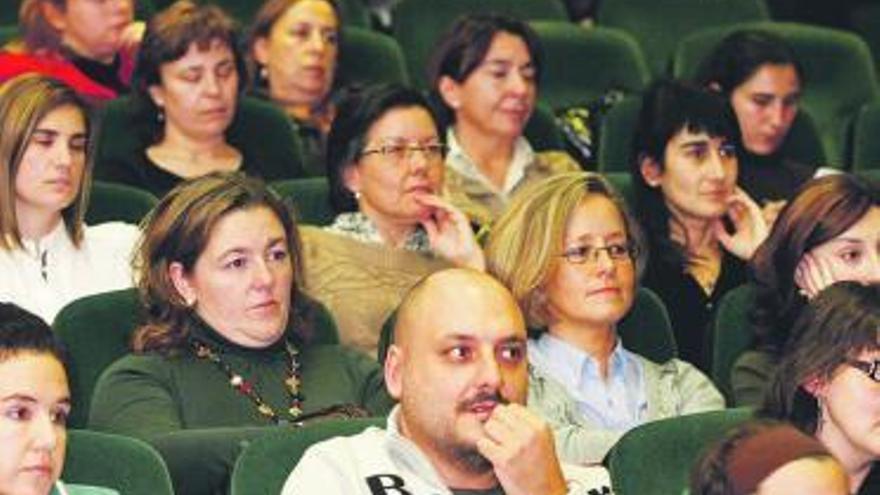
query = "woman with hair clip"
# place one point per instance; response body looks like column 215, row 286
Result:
column 187, row 86
column 570, row 253
column 35, row 404
column 829, row 231
column 828, row 381
column 293, row 49
column 701, row 228
column 484, row 74
column 765, row 457
column 48, row 256
column 227, row 349
column 89, row 45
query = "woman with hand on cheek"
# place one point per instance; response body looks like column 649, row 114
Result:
column 701, row 228
column 385, row 165
column 829, row 232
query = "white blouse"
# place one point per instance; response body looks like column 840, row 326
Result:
column 51, row 272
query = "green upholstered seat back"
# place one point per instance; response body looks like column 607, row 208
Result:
column 127, row 465
column 354, row 13
column 658, row 26
column 110, row 202
column 646, row 330
column 97, row 331
column 309, row 197
column 803, row 143
column 419, row 24
column 265, row 464
column 369, row 57
column 866, row 138
column 582, row 64
column 541, row 130
column 732, row 334
column 656, row 457
column 838, row 71
column 622, row 183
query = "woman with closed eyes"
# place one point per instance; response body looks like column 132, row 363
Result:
column 45, row 175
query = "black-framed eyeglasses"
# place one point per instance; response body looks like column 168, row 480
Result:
column 400, row 151
column 618, row 252
column 870, row 368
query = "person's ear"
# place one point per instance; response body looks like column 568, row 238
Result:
column 450, row 91
column 650, row 170
column 261, row 50
column 157, row 94
column 815, row 386
column 182, row 283
column 394, row 371
column 53, row 15
column 351, row 178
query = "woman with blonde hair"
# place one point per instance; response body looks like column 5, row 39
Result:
column 570, row 253
column 46, row 250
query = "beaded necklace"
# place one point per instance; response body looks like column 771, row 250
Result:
column 246, row 388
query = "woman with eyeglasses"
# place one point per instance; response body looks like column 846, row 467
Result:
column 484, row 77
column 570, row 253
column 385, row 167
column 828, row 382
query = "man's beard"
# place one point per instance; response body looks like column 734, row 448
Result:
column 467, row 456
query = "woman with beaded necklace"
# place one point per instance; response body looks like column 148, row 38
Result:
column 230, row 341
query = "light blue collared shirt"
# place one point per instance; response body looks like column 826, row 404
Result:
column 616, row 403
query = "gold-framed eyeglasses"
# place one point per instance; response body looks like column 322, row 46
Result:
column 618, row 252
column 400, row 151
column 870, row 368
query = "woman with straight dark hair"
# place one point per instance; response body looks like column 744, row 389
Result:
column 830, row 231
column 484, row 77
column 701, row 228
column 828, row 381
column 761, row 76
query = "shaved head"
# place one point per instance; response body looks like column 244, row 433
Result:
column 445, row 291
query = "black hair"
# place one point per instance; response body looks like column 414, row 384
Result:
column 740, row 55
column 669, row 107
column 357, row 112
column 464, row 47
column 24, row 332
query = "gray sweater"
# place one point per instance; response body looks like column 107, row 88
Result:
column 673, row 388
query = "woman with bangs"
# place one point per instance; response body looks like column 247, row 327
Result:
column 46, row 250
column 701, row 228
column 571, row 254
column 830, row 231
column 828, row 382
column 187, row 82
